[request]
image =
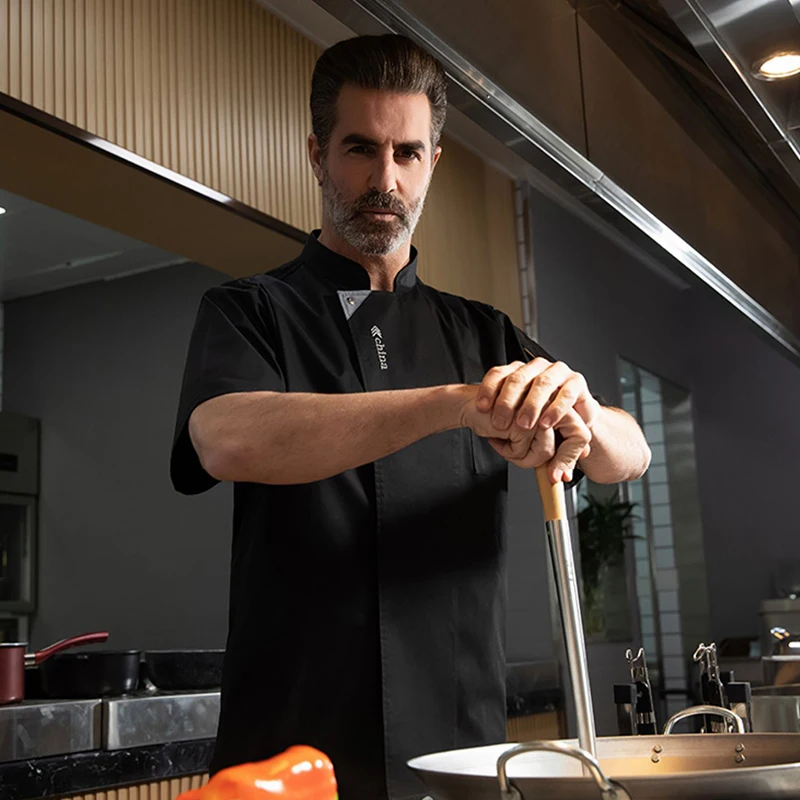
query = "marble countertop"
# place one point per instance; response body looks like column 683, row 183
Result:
column 82, row 773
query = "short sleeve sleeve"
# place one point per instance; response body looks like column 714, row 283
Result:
column 233, row 348
column 520, row 347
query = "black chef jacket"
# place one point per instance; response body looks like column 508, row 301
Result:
column 367, row 610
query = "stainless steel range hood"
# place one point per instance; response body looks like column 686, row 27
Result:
column 732, row 36
column 495, row 110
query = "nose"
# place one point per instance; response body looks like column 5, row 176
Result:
column 384, row 176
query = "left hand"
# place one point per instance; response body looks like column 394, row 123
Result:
column 541, row 395
column 542, row 448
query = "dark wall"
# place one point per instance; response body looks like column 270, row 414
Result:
column 100, row 365
column 595, row 301
column 747, row 430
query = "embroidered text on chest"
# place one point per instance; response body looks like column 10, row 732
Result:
column 380, row 347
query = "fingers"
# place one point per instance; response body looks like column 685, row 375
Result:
column 540, row 449
column 573, row 391
column 492, row 383
column 577, row 437
column 589, row 409
column 539, row 393
column 514, row 390
column 513, row 445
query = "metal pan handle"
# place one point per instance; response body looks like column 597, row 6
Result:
column 609, row 789
column 696, row 711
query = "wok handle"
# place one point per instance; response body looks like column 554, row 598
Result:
column 553, row 501
column 697, row 711
column 559, row 540
column 609, row 789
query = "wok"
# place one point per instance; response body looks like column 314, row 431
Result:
column 184, row 670
column 719, row 766
column 712, row 766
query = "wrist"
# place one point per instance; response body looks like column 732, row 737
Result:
column 450, row 404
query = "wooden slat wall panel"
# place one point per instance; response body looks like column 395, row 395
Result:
column 502, row 238
column 213, row 89
column 164, row 790
column 217, row 90
column 466, row 235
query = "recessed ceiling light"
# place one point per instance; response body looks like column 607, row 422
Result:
column 2, row 210
column 777, row 66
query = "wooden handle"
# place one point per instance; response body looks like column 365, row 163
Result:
column 552, row 496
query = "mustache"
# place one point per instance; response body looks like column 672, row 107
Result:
column 382, row 200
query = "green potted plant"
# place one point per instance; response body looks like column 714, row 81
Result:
column 603, row 528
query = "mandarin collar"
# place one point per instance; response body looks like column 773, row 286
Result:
column 344, row 273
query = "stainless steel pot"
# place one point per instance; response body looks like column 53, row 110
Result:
column 776, row 709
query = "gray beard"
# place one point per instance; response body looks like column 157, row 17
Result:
column 371, row 237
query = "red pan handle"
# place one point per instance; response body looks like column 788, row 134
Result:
column 32, row 659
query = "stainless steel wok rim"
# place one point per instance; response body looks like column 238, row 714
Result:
column 744, row 770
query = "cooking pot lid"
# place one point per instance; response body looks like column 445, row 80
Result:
column 14, row 644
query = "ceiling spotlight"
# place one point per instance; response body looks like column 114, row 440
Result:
column 777, row 66
column 2, row 210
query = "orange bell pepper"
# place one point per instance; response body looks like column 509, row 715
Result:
column 299, row 773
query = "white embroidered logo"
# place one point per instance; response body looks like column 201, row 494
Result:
column 379, row 346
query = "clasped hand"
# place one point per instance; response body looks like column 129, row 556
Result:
column 518, row 407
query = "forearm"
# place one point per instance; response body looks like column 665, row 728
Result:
column 285, row 438
column 619, row 451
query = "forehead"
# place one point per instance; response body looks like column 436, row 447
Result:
column 382, row 115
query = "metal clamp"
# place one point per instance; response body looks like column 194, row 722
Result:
column 696, row 711
column 638, row 666
column 609, row 789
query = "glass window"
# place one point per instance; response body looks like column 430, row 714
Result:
column 665, row 586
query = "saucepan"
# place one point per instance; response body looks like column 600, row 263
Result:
column 14, row 659
column 711, row 766
column 100, row 673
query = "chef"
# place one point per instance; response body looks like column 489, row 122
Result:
column 367, row 421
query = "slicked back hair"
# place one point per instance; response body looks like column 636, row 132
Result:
column 389, row 63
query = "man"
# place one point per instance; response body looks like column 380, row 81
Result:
column 366, row 421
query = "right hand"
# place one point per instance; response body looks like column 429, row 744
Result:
column 515, row 441
column 562, row 461
column 533, row 448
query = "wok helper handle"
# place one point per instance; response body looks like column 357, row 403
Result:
column 560, row 541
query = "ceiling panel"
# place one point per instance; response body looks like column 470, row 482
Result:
column 42, row 249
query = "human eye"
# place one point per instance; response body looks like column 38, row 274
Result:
column 408, row 154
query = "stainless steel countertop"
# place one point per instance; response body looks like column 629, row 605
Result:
column 139, row 721
column 36, row 729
